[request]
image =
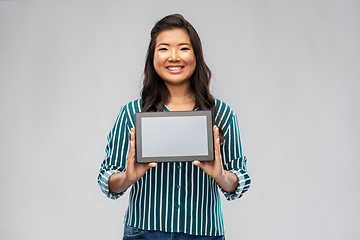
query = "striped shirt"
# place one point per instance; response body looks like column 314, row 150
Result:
column 175, row 196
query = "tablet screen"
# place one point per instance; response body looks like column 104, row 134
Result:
column 174, row 136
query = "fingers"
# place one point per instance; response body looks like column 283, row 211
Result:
column 132, row 137
column 216, row 141
column 216, row 133
column 131, row 155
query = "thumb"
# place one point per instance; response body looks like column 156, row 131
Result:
column 152, row 164
column 197, row 163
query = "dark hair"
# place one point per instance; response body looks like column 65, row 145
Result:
column 154, row 93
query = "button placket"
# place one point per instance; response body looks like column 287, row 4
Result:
column 178, row 186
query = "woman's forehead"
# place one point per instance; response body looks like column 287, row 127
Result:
column 173, row 36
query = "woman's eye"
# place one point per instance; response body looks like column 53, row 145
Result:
column 162, row 49
column 184, row 49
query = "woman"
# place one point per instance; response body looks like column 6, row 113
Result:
column 175, row 199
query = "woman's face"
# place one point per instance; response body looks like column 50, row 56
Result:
column 174, row 58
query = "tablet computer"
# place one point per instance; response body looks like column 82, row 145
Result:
column 174, row 136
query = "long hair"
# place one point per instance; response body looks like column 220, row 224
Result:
column 154, row 93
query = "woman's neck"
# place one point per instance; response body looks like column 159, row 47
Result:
column 182, row 98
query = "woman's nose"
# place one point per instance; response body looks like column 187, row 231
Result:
column 174, row 56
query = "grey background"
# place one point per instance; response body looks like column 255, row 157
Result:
column 174, row 136
column 290, row 70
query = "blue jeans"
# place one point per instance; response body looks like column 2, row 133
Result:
column 135, row 233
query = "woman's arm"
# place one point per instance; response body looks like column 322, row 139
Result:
column 115, row 174
column 228, row 181
column 119, row 182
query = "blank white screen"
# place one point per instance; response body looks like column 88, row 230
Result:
column 174, row 136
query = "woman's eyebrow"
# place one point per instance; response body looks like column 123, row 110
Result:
column 180, row 44
column 188, row 44
column 166, row 44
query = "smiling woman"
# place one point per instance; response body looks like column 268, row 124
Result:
column 175, row 199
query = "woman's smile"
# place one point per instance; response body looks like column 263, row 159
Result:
column 175, row 69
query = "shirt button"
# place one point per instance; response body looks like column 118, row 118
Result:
column 178, row 166
column 178, row 206
column 178, row 186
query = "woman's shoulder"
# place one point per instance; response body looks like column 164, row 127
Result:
column 127, row 111
column 222, row 107
column 223, row 114
column 132, row 107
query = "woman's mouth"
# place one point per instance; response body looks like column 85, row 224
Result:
column 176, row 69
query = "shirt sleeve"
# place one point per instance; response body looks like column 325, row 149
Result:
column 116, row 152
column 233, row 159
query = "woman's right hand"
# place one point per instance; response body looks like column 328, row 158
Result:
column 134, row 171
column 119, row 182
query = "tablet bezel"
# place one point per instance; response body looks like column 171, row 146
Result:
column 138, row 133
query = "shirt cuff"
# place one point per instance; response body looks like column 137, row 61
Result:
column 244, row 184
column 103, row 182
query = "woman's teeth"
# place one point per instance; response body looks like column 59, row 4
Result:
column 174, row 68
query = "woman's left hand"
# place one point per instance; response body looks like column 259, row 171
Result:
column 228, row 181
column 213, row 168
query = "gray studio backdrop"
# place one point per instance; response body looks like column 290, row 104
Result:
column 290, row 70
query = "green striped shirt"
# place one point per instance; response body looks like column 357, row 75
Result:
column 175, row 196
